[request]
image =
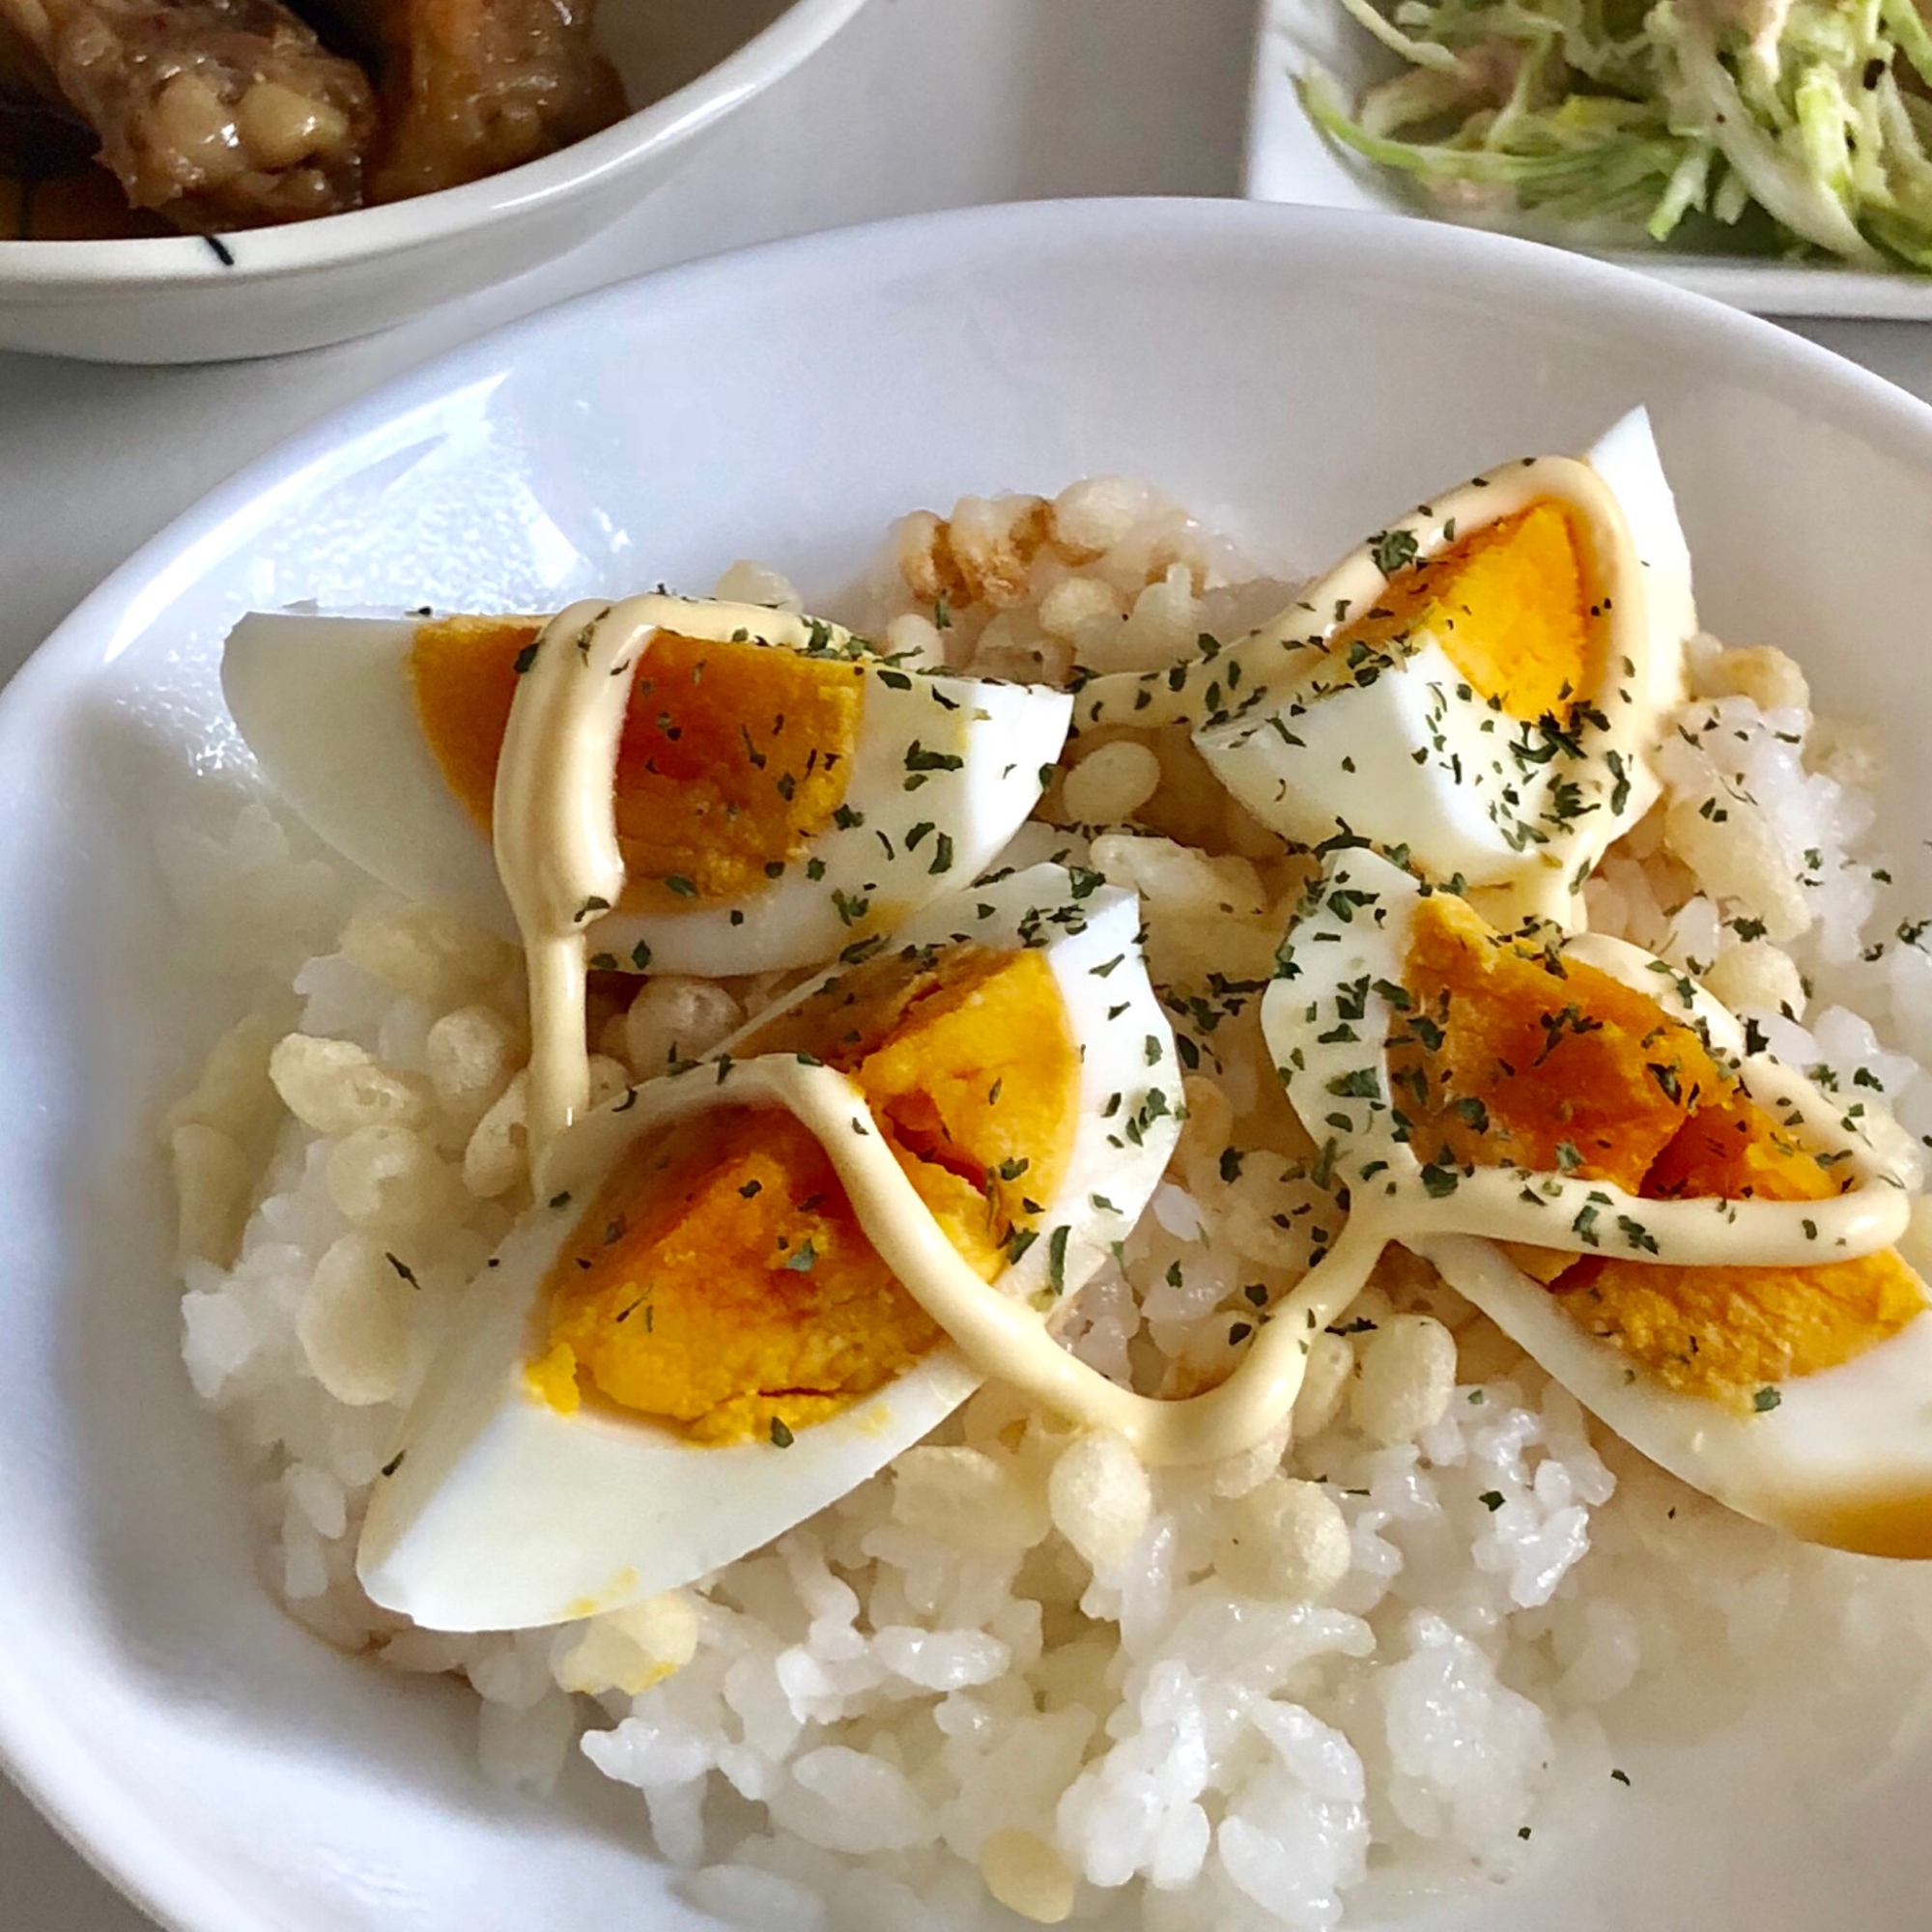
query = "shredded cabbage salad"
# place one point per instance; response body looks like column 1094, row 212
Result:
column 1802, row 126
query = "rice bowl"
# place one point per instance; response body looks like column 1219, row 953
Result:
column 1376, row 1641
column 1731, row 1574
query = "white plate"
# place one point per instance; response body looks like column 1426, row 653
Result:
column 1288, row 159
column 1296, row 371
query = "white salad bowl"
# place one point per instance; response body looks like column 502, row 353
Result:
column 263, row 290
column 1293, row 372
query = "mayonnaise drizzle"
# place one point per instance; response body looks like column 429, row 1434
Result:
column 1347, row 941
column 556, row 849
column 1003, row 1338
column 1000, row 1335
column 1325, row 607
column 1229, row 694
column 554, row 815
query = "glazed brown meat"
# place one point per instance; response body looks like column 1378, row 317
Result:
column 218, row 113
column 470, row 87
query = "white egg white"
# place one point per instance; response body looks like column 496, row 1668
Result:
column 944, row 769
column 1399, row 748
column 1843, row 1456
column 503, row 1513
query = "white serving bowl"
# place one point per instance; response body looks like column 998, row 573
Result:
column 1294, row 372
column 263, row 290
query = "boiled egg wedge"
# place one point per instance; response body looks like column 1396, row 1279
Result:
column 1691, row 1236
column 783, row 792
column 1479, row 684
column 720, row 1314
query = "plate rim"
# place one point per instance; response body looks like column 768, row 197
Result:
column 54, row 1769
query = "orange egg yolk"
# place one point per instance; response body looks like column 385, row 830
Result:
column 1512, row 1056
column 720, row 1278
column 1511, row 604
column 733, row 756
column 1509, row 1056
column 1731, row 1331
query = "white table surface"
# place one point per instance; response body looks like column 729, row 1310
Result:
column 920, row 104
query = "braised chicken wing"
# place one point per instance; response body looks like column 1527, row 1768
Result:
column 472, row 87
column 216, row 113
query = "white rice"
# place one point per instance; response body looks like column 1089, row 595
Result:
column 1337, row 1674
